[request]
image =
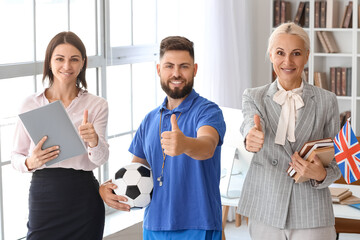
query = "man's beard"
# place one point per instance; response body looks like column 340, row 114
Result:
column 177, row 93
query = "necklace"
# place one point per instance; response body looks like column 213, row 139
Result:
column 161, row 177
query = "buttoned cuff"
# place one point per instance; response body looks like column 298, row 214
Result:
column 99, row 154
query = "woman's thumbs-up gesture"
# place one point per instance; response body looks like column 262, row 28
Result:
column 87, row 131
column 173, row 141
column 255, row 137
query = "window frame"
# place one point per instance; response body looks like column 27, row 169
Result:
column 105, row 56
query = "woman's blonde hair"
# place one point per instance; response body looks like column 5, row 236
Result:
column 289, row 28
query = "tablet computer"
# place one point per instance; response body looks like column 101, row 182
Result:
column 52, row 120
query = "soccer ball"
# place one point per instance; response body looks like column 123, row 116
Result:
column 135, row 182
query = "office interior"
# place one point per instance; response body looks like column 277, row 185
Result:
column 122, row 40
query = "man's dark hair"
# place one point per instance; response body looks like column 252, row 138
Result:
column 176, row 43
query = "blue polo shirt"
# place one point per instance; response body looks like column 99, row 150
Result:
column 189, row 197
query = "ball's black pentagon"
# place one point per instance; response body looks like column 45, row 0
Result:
column 120, row 173
column 132, row 191
column 136, row 208
column 151, row 193
column 144, row 172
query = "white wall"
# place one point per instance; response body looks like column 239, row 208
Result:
column 260, row 33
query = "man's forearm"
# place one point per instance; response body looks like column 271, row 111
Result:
column 200, row 148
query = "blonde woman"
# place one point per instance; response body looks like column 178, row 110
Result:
column 278, row 119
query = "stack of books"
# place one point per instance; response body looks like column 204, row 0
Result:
column 323, row 148
column 343, row 196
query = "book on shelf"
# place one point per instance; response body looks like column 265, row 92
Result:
column 343, row 17
column 322, row 42
column 359, row 16
column 285, row 12
column 323, row 14
column 299, row 17
column 344, row 116
column 348, row 16
column 306, row 71
column 317, row 14
column 330, row 42
column 320, row 80
column 277, row 6
column 333, row 79
column 343, row 81
column 348, row 81
column 338, row 81
column 332, row 13
column 306, row 14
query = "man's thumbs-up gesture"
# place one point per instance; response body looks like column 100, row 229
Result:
column 173, row 141
column 255, row 137
column 87, row 131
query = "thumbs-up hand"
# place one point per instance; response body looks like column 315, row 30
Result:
column 87, row 131
column 173, row 141
column 255, row 137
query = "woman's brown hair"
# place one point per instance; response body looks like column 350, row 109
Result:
column 62, row 38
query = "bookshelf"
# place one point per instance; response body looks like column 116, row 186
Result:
column 348, row 42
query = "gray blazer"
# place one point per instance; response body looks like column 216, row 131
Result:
column 269, row 195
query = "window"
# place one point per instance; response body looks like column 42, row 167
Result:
column 121, row 38
column 131, row 74
column 21, row 75
column 13, row 42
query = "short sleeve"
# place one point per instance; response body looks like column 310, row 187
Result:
column 137, row 144
column 211, row 115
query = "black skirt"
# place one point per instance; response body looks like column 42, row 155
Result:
column 65, row 204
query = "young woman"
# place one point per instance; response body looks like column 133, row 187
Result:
column 64, row 202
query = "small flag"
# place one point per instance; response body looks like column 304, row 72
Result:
column 347, row 153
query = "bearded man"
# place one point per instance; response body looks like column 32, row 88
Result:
column 181, row 142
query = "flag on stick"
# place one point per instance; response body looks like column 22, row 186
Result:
column 347, row 153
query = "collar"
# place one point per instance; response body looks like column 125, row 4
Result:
column 41, row 94
column 307, row 89
column 184, row 106
column 299, row 89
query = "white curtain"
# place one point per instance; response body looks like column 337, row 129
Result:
column 226, row 51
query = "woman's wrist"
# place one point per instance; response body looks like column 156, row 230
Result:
column 27, row 164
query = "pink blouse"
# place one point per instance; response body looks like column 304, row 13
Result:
column 97, row 115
